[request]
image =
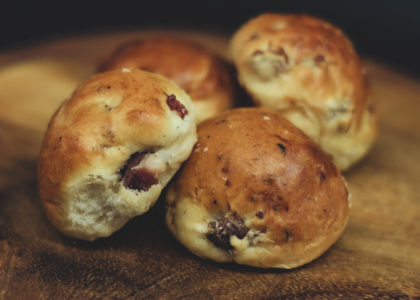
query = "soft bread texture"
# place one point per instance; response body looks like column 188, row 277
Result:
column 200, row 73
column 111, row 148
column 307, row 70
column 257, row 191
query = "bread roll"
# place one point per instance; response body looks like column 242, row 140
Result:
column 307, row 70
column 111, row 148
column 200, row 73
column 257, row 191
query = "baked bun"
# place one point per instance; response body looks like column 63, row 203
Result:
column 111, row 148
column 257, row 191
column 307, row 70
column 200, row 73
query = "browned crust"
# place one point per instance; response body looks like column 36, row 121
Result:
column 203, row 75
column 259, row 165
column 307, row 38
column 110, row 109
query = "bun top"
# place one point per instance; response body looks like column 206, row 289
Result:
column 255, row 163
column 192, row 67
column 298, row 58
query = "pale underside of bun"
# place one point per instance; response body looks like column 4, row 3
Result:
column 100, row 202
column 255, row 249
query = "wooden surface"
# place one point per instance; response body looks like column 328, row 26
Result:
column 377, row 256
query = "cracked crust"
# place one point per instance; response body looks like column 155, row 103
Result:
column 257, row 191
column 307, row 70
column 110, row 149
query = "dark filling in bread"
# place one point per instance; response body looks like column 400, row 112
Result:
column 219, row 232
column 174, row 104
column 133, row 161
column 137, row 179
column 282, row 148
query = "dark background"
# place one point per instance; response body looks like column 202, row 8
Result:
column 387, row 31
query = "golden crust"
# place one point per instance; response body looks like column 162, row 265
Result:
column 92, row 135
column 258, row 165
column 200, row 73
column 306, row 69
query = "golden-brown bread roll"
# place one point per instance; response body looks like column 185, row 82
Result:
column 200, row 73
column 307, row 70
column 111, row 148
column 257, row 191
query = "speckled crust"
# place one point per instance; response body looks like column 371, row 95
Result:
column 251, row 164
column 91, row 137
column 200, row 73
column 308, row 70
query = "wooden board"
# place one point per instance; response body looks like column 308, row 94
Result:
column 377, row 256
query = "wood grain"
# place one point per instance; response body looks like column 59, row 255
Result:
column 378, row 255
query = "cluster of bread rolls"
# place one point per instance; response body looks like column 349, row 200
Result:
column 112, row 147
column 259, row 185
